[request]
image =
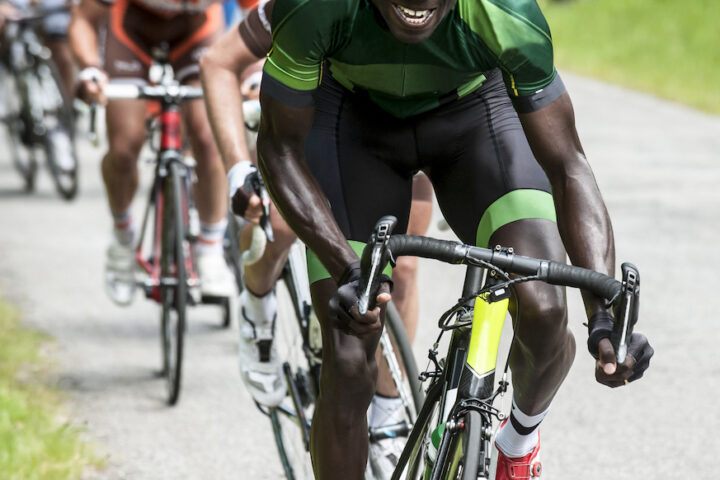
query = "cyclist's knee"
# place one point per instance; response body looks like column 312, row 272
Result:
column 204, row 148
column 351, row 376
column 123, row 156
column 543, row 329
column 405, row 271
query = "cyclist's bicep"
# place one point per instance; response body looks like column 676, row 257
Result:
column 284, row 123
column 551, row 133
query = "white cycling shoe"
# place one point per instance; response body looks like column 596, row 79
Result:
column 120, row 272
column 260, row 368
column 216, row 279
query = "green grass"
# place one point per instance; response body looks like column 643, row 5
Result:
column 34, row 442
column 670, row 48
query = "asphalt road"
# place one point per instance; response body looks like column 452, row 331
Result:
column 658, row 166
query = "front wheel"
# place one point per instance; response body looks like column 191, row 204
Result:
column 466, row 453
column 58, row 141
column 62, row 162
column 173, row 281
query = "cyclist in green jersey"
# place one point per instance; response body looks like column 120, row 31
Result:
column 357, row 96
column 229, row 73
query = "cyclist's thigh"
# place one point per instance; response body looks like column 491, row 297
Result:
column 483, row 171
column 421, row 210
column 204, row 29
column 126, row 127
column 127, row 57
column 363, row 158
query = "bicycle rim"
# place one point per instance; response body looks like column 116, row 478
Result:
column 174, row 292
column 290, row 437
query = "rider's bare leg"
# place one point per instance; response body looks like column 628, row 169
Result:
column 211, row 188
column 405, row 292
column 339, row 436
column 545, row 348
column 62, row 56
column 260, row 277
column 126, row 135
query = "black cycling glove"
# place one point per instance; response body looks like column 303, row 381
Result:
column 640, row 349
column 347, row 297
column 600, row 326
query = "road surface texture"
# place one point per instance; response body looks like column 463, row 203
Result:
column 658, row 166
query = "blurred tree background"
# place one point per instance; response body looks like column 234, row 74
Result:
column 670, row 48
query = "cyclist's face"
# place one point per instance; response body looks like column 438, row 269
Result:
column 412, row 21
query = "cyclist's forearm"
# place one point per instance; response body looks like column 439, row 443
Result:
column 223, row 101
column 83, row 33
column 584, row 224
column 582, row 217
column 302, row 203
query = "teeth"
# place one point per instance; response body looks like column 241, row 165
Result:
column 414, row 16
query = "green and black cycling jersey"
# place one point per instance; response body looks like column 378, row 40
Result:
column 350, row 38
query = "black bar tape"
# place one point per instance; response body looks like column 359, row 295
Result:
column 443, row 250
column 571, row 276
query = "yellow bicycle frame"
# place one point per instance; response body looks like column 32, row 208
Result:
column 488, row 319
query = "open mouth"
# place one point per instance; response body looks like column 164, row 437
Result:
column 413, row 18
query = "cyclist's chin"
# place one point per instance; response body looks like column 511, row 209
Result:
column 412, row 21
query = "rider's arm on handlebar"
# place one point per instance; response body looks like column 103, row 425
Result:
column 582, row 218
column 221, row 68
column 281, row 158
column 83, row 32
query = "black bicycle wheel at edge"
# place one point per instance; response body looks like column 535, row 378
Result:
column 287, row 418
column 14, row 116
column 173, row 282
column 465, row 453
column 58, row 141
column 394, row 323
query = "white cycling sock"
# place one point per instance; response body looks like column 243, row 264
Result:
column 124, row 227
column 520, row 435
column 385, row 411
column 210, row 241
column 258, row 313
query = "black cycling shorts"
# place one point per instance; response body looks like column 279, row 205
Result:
column 473, row 149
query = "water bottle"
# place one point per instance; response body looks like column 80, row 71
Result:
column 432, row 449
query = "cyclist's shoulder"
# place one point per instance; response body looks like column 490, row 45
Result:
column 505, row 23
column 518, row 35
column 313, row 14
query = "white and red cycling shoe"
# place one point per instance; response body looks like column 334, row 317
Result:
column 522, row 468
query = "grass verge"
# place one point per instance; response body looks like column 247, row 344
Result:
column 34, row 442
column 669, row 48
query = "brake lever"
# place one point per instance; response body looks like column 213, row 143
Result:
column 254, row 183
column 371, row 264
column 626, row 312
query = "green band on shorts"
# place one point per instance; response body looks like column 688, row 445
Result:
column 317, row 271
column 515, row 205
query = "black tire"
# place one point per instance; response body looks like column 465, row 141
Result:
column 291, row 437
column 16, row 120
column 226, row 306
column 174, row 294
column 465, row 453
column 65, row 179
column 232, row 250
column 396, row 328
column 58, row 142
